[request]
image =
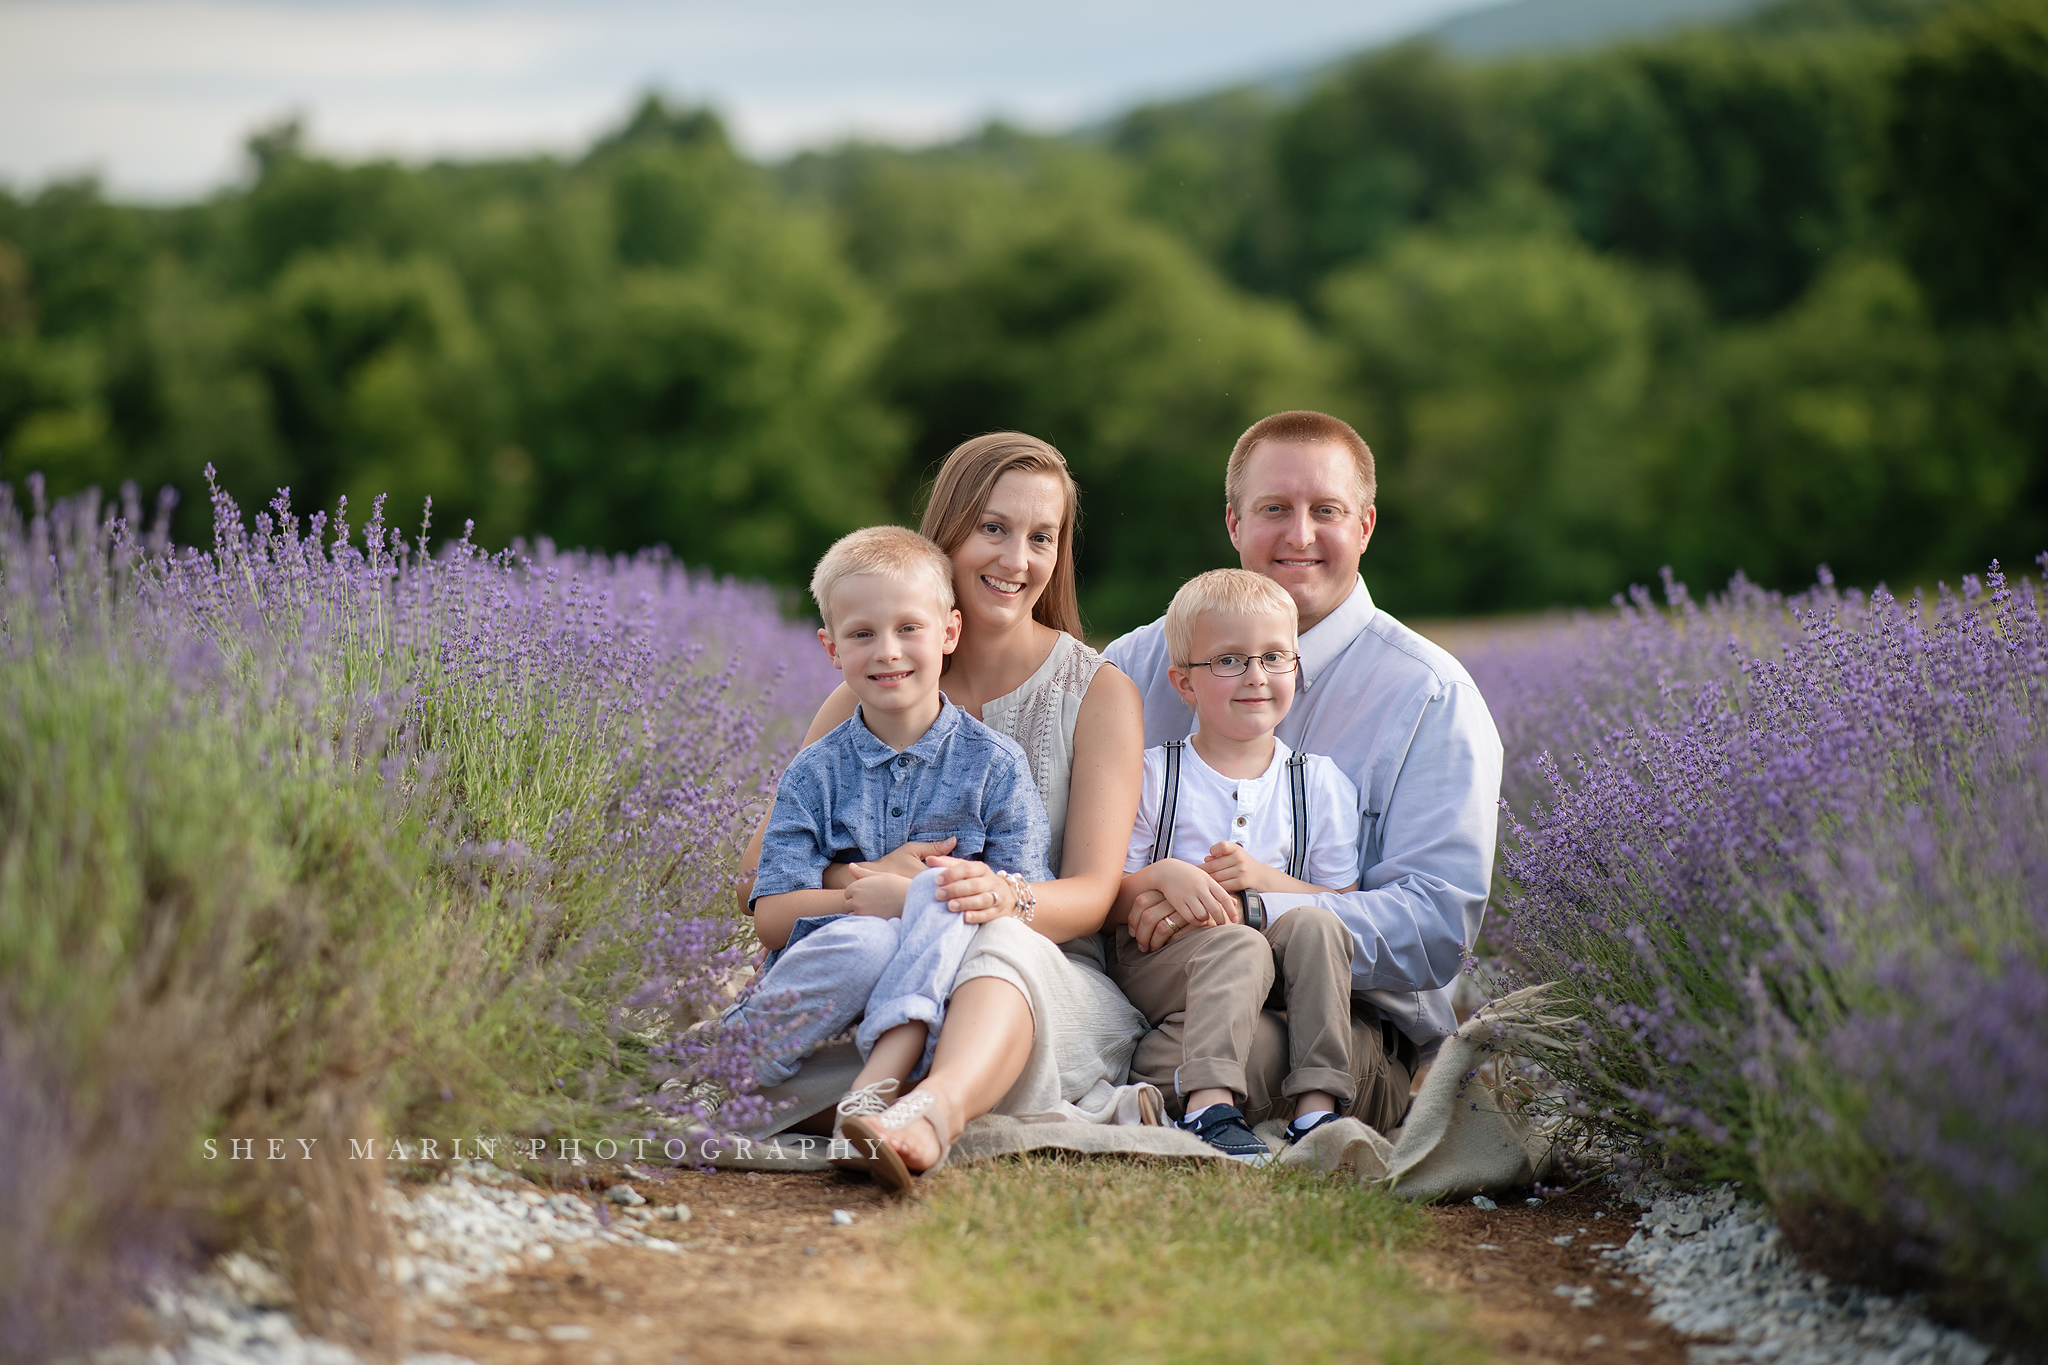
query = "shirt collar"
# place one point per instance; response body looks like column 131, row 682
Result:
column 1332, row 635
column 874, row 753
column 1281, row 753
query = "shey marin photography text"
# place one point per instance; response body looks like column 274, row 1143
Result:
column 570, row 1151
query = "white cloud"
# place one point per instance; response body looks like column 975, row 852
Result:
column 158, row 94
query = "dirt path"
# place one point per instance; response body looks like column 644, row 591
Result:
column 767, row 1278
column 765, row 1275
column 1509, row 1263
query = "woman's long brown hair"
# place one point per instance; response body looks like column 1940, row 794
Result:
column 960, row 495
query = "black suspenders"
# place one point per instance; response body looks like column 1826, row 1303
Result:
column 1297, row 802
column 1169, row 801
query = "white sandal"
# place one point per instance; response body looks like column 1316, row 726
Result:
column 868, row 1100
column 884, row 1162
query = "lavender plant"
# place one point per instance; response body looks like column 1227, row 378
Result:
column 313, row 832
column 1792, row 872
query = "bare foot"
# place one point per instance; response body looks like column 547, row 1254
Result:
column 917, row 1143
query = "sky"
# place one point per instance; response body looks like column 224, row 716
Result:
column 157, row 96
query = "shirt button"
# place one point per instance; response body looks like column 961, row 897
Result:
column 1240, row 819
column 896, row 811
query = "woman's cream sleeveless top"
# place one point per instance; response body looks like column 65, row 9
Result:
column 1040, row 716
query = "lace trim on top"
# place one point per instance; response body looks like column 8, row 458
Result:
column 1038, row 713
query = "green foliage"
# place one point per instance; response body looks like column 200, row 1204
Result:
column 1109, row 339
column 1204, row 170
column 374, row 376
column 1745, row 163
column 1967, row 163
column 1596, row 312
column 1512, row 373
column 1397, row 138
column 1845, row 432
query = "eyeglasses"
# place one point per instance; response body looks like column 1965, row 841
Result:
column 1234, row 665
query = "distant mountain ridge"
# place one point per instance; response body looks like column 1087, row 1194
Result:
column 1539, row 25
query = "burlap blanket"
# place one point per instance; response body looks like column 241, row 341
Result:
column 1462, row 1136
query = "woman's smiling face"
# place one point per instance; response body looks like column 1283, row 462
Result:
column 1002, row 567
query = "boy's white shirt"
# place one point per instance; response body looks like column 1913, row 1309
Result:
column 1254, row 812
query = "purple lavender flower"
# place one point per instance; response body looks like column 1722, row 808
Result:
column 1793, row 866
column 536, row 768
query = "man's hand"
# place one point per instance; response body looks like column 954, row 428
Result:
column 1236, row 870
column 906, row 861
column 1188, row 899
column 880, row 894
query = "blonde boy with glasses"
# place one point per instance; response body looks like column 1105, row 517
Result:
column 1223, row 817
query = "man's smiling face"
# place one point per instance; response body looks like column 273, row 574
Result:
column 1301, row 524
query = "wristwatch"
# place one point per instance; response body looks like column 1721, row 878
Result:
column 1254, row 909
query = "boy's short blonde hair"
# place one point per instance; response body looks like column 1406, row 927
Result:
column 1221, row 590
column 890, row 552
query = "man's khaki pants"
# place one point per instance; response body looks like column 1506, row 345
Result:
column 1267, row 1016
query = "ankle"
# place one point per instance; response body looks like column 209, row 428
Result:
column 1309, row 1103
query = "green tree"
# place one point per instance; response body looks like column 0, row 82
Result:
column 1393, row 139
column 1505, row 384
column 1205, row 170
column 1744, row 162
column 1110, row 339
column 1848, row 431
column 1968, row 143
column 715, row 392
column 377, row 381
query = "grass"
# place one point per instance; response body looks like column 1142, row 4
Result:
column 1042, row 1260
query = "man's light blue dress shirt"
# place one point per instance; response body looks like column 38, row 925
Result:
column 1406, row 724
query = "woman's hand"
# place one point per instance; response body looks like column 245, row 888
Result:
column 1189, row 899
column 972, row 890
column 1236, row 870
column 871, row 892
column 906, row 861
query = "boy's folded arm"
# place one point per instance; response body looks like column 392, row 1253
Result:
column 775, row 916
column 1134, row 885
column 1286, row 885
column 837, row 709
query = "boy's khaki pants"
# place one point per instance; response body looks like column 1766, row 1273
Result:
column 1215, row 999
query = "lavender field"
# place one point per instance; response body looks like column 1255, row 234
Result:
column 1788, row 858
column 314, row 834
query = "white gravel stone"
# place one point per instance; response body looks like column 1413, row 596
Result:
column 464, row 1234
column 1718, row 1268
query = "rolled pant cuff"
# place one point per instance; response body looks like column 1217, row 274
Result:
column 1337, row 1083
column 914, row 1009
column 1210, row 1075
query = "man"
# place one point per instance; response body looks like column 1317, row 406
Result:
column 1401, row 718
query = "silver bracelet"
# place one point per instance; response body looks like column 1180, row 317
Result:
column 1026, row 903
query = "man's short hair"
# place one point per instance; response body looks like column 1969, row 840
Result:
column 1221, row 590
column 1309, row 428
column 889, row 552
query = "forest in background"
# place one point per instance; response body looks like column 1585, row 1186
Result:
column 1753, row 298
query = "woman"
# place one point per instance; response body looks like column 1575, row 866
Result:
column 1031, row 1026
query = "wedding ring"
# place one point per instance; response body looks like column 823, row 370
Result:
column 1169, row 921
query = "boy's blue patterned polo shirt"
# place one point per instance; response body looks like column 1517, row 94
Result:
column 851, row 798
